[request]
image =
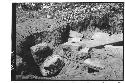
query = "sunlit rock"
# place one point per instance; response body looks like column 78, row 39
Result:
column 51, row 60
column 94, row 62
column 38, row 46
column 74, row 39
column 100, row 36
column 40, row 52
column 84, row 50
column 116, row 37
column 116, row 51
column 75, row 34
column 52, row 66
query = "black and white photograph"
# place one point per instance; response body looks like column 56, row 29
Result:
column 67, row 41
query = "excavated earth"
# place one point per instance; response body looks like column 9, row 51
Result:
column 82, row 68
column 54, row 49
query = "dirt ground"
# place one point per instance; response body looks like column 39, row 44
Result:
column 55, row 20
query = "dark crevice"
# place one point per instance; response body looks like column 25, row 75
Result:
column 91, row 70
column 30, row 41
column 65, row 34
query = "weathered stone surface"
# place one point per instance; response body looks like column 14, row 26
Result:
column 52, row 66
column 94, row 62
